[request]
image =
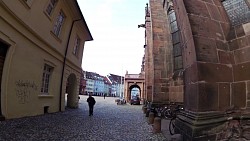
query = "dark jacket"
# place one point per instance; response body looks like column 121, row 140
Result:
column 91, row 101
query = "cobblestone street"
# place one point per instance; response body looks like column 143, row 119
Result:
column 110, row 122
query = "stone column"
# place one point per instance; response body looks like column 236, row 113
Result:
column 151, row 118
column 157, row 125
column 148, row 56
column 158, row 49
column 215, row 75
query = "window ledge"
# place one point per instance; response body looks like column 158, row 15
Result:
column 27, row 3
column 47, row 15
column 56, row 37
column 45, row 96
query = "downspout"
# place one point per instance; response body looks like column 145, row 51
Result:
column 64, row 63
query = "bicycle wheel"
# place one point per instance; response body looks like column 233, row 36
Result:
column 172, row 126
column 167, row 114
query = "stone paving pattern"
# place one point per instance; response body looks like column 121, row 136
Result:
column 110, row 122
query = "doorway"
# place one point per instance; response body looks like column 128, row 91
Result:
column 135, row 91
column 3, row 51
column 71, row 92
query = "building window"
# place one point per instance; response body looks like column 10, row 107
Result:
column 238, row 11
column 76, row 47
column 47, row 72
column 51, row 6
column 59, row 24
column 177, row 50
column 27, row 3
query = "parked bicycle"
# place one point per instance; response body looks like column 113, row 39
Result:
column 174, row 113
column 161, row 111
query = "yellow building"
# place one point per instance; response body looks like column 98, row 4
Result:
column 41, row 49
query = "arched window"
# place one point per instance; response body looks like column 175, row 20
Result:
column 175, row 32
column 238, row 11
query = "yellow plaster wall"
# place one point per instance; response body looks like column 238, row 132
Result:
column 32, row 44
column 25, row 76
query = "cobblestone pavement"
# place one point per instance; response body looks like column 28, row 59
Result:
column 110, row 122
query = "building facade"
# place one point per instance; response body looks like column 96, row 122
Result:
column 41, row 43
column 117, row 85
column 196, row 53
column 107, row 86
column 83, row 83
column 90, row 83
column 97, row 84
column 157, row 61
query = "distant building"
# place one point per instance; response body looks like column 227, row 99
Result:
column 90, row 83
column 98, row 85
column 107, row 86
column 41, row 48
column 83, row 84
column 117, row 85
column 135, row 92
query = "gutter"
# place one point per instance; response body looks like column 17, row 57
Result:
column 90, row 38
column 83, row 20
column 64, row 63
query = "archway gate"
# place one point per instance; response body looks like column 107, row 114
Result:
column 134, row 81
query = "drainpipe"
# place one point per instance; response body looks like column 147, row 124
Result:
column 64, row 63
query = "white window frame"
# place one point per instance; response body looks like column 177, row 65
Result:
column 27, row 3
column 59, row 23
column 50, row 7
column 77, row 46
column 46, row 78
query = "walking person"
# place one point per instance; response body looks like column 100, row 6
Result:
column 91, row 102
column 104, row 96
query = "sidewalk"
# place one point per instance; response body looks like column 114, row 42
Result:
column 165, row 131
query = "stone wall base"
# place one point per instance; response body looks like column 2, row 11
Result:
column 213, row 127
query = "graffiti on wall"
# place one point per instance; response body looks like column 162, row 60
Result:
column 24, row 89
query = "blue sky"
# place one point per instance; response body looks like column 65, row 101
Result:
column 118, row 42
